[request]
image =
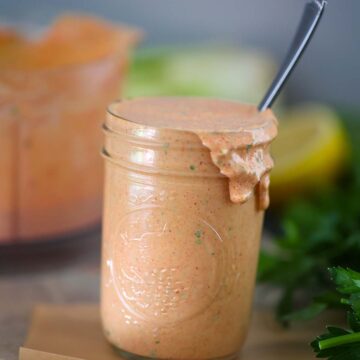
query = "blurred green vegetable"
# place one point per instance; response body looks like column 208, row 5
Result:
column 213, row 71
column 319, row 232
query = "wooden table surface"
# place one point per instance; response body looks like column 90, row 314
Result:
column 65, row 275
column 56, row 274
column 64, row 332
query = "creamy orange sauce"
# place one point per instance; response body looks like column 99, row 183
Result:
column 237, row 135
column 179, row 257
column 53, row 93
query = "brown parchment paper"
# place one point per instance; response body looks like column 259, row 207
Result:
column 73, row 332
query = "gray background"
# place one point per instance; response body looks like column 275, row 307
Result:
column 329, row 72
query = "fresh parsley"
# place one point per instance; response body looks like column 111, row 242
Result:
column 319, row 232
column 338, row 343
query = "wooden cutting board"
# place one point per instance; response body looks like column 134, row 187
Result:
column 73, row 332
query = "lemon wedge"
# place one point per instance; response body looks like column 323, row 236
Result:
column 309, row 152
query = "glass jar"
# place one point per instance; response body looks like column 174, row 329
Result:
column 179, row 258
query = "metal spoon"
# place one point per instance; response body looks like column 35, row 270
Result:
column 311, row 17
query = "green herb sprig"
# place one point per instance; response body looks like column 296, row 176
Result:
column 338, row 343
column 319, row 232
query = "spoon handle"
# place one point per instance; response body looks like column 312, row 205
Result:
column 311, row 17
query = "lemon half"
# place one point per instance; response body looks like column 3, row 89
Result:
column 309, row 152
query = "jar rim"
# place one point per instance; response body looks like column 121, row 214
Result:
column 112, row 112
column 159, row 171
column 153, row 140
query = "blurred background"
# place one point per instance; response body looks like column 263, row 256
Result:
column 60, row 67
column 328, row 72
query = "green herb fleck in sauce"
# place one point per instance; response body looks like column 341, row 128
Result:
column 166, row 148
column 248, row 147
column 198, row 234
column 15, row 110
column 216, row 317
column 153, row 354
column 192, row 167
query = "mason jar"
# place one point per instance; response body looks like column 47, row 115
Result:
column 179, row 258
